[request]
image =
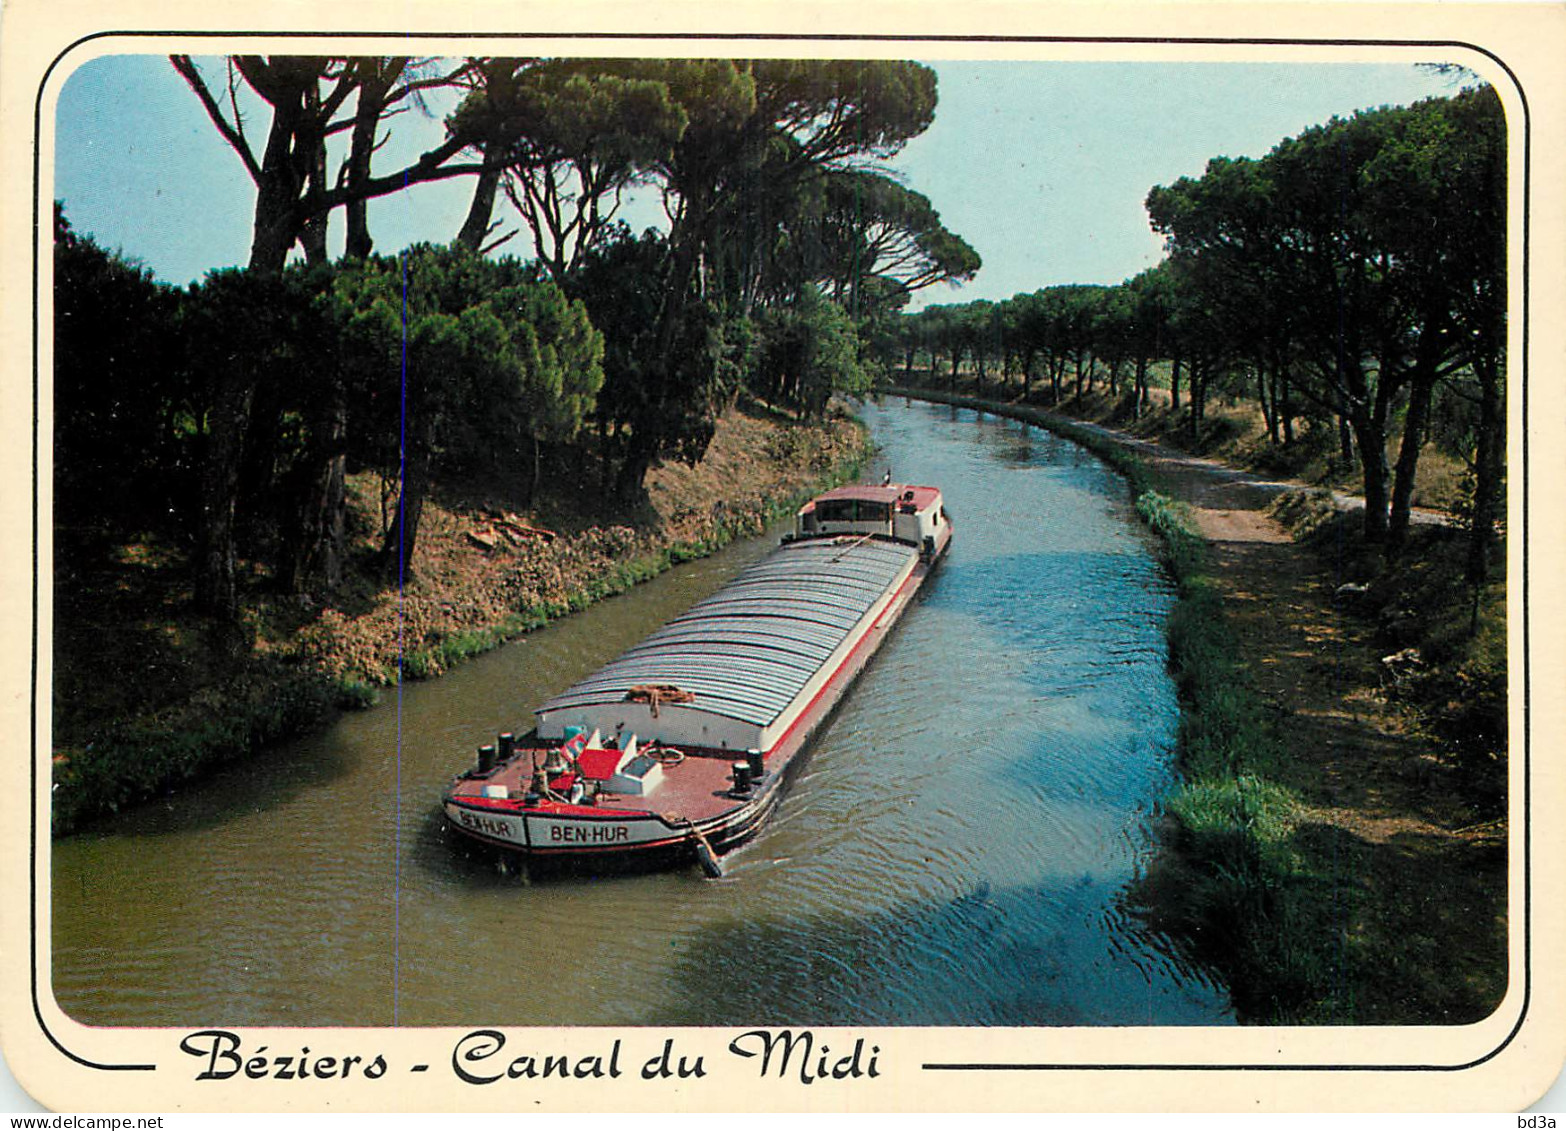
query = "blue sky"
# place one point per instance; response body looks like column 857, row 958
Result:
column 1041, row 166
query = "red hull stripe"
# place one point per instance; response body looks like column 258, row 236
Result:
column 848, row 659
column 718, row 826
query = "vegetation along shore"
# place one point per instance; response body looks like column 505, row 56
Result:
column 295, row 482
column 179, row 694
column 1341, row 823
column 1331, row 318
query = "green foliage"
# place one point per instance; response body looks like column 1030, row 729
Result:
column 1454, row 678
column 497, row 356
column 234, row 398
column 1346, row 259
column 131, row 761
column 660, row 403
column 1355, row 275
column 1184, row 546
column 561, row 358
column 810, row 353
column 1239, row 828
column 123, row 401
column 577, row 133
column 1304, row 513
column 867, row 241
column 1226, row 739
column 356, row 694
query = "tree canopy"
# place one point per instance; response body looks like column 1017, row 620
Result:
column 1345, row 254
column 1354, row 276
column 785, row 242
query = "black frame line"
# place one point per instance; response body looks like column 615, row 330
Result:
column 688, row 36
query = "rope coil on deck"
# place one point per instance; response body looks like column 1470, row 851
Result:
column 656, row 694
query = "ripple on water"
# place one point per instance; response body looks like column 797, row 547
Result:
column 957, row 851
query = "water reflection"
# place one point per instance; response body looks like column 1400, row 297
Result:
column 955, row 852
column 957, row 962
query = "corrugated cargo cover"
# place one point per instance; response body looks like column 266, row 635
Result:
column 748, row 651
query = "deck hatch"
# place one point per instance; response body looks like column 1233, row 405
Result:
column 749, row 650
column 755, row 635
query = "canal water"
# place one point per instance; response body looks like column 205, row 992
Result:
column 957, row 851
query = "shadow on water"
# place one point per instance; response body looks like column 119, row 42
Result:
column 958, row 851
column 444, row 855
column 957, row 962
column 271, row 779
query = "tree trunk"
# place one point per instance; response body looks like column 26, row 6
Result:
column 397, row 549
column 257, row 498
column 1285, row 407
column 1489, row 468
column 605, row 455
column 314, row 544
column 1269, row 405
column 276, row 229
column 477, row 225
column 1373, row 461
column 334, row 544
column 1197, row 398
column 532, row 483
column 216, row 588
column 1174, row 385
column 277, row 216
column 1419, row 396
column 311, row 139
column 374, row 85
column 634, row 468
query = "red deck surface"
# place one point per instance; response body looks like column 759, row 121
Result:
column 599, row 764
column 696, row 788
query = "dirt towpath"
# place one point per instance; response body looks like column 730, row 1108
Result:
column 1420, row 891
column 1315, row 658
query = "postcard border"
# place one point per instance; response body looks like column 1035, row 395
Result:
column 839, row 38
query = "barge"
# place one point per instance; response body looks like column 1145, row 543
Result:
column 677, row 751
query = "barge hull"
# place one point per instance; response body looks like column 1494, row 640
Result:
column 697, row 804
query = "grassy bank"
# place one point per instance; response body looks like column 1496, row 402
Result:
column 1338, row 843
column 1232, row 817
column 1243, row 896
column 148, row 696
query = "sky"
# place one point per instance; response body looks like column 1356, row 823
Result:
column 1042, row 166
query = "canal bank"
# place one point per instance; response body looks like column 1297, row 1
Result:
column 959, row 849
column 149, row 697
column 1331, row 861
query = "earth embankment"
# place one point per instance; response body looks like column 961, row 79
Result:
column 1389, row 870
column 148, row 694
